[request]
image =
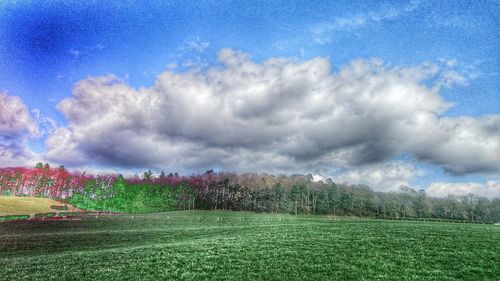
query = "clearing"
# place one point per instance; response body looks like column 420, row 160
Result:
column 14, row 205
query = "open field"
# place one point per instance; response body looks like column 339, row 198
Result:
column 204, row 245
column 13, row 205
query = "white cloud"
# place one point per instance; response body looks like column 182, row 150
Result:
column 451, row 78
column 460, row 145
column 15, row 118
column 195, row 44
column 490, row 189
column 15, row 155
column 381, row 177
column 279, row 115
column 324, row 32
column 17, row 126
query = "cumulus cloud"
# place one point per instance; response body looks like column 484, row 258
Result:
column 278, row 115
column 15, row 119
column 381, row 177
column 490, row 189
column 17, row 125
column 460, row 145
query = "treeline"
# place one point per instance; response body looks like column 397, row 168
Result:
column 42, row 181
column 296, row 194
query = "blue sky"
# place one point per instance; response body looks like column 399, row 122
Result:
column 47, row 47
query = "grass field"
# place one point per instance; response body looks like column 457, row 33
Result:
column 203, row 245
column 13, row 205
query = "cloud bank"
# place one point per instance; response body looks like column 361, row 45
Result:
column 278, row 115
column 388, row 176
column 490, row 189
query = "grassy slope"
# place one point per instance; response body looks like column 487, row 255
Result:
column 13, row 205
column 245, row 246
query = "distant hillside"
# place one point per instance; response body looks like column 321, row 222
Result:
column 14, row 205
column 296, row 194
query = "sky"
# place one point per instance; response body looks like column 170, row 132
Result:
column 383, row 93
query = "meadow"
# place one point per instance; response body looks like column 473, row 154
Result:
column 22, row 205
column 218, row 245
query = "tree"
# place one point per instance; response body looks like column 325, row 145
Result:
column 451, row 206
column 470, row 201
column 420, row 203
column 406, row 194
column 148, row 175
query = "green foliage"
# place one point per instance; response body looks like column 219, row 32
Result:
column 214, row 245
column 296, row 194
column 60, row 208
column 45, row 215
column 264, row 193
column 14, row 217
column 6, row 193
column 66, row 214
column 123, row 196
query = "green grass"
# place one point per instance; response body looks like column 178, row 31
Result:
column 203, row 245
column 15, row 205
column 14, row 217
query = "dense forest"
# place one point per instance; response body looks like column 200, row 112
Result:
column 296, row 194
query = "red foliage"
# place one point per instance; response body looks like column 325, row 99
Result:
column 43, row 181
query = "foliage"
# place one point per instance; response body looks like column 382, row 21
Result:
column 116, row 194
column 13, row 217
column 45, row 215
column 40, row 181
column 59, row 207
column 295, row 194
